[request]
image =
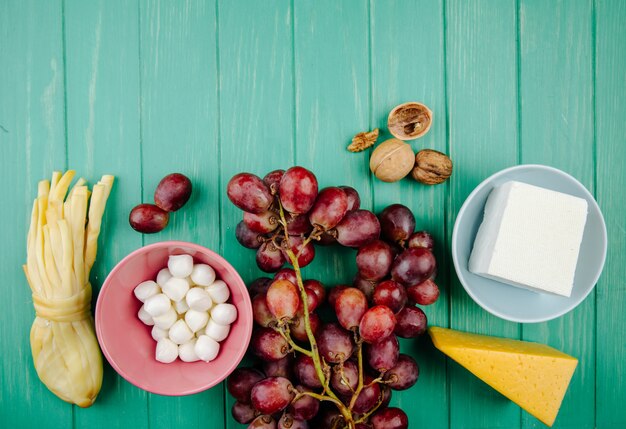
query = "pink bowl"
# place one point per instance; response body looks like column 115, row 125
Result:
column 126, row 342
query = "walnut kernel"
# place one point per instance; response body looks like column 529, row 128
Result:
column 363, row 140
column 431, row 167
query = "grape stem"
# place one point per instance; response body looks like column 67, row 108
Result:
column 286, row 335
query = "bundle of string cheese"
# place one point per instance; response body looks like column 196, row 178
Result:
column 61, row 249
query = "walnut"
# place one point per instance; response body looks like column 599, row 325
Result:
column 409, row 120
column 431, row 167
column 392, row 160
column 363, row 140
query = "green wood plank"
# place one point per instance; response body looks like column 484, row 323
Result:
column 32, row 145
column 610, row 96
column 482, row 110
column 556, row 118
column 179, row 134
column 413, row 69
column 103, row 138
column 256, row 109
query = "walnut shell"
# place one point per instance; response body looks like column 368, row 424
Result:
column 409, row 121
column 431, row 167
column 392, row 160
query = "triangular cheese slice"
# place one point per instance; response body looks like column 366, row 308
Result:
column 532, row 375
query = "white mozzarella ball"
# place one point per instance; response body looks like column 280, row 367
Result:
column 157, row 304
column 196, row 320
column 180, row 266
column 224, row 314
column 145, row 317
column 163, row 276
column 145, row 290
column 187, row 351
column 158, row 333
column 180, row 332
column 216, row 331
column 180, row 306
column 219, row 292
column 203, row 274
column 166, row 351
column 206, row 348
column 198, row 299
column 176, row 288
column 166, row 320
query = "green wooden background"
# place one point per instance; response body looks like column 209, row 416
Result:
column 142, row 88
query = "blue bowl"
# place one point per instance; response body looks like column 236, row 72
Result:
column 516, row 304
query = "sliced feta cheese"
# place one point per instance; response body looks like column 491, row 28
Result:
column 530, row 237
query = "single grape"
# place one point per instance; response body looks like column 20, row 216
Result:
column 272, row 394
column 328, row 417
column 282, row 299
column 383, row 355
column 354, row 201
column 385, row 391
column 334, row 343
column 279, row 368
column 298, row 331
column 350, row 305
column 246, row 237
column 243, row 413
column 148, row 218
column 297, row 246
column 397, row 223
column 357, row 228
column 298, row 224
column 259, row 285
column 411, row 322
column 304, row 369
column 377, row 323
column 241, row 381
column 413, row 266
column 390, row 293
column 334, row 292
column 422, row 239
column 327, row 238
column 269, row 258
column 172, row 192
column 272, row 180
column 298, row 190
column 365, row 286
column 306, row 407
column 261, row 312
column 286, row 274
column 288, row 421
column 316, row 287
column 263, row 422
column 329, row 208
column 262, row 223
column 374, row 260
column 311, row 299
column 345, row 378
column 268, row 344
column 249, row 193
column 389, row 418
column 368, row 397
column 404, row 374
column 424, row 293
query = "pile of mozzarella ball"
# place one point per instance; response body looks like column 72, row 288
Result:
column 187, row 310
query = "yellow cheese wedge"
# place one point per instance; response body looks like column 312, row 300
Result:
column 532, row 375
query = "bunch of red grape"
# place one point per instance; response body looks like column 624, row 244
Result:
column 337, row 374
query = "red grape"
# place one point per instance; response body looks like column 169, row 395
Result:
column 365, row 286
column 350, row 305
column 287, row 421
column 282, row 299
column 397, row 223
column 262, row 223
column 316, row 287
column 261, row 312
column 389, row 418
column 172, row 192
column 279, row 368
column 148, row 218
column 241, row 381
column 334, row 343
column 268, row 344
column 298, row 224
column 306, row 407
column 347, row 384
column 368, row 397
column 298, row 190
column 259, row 285
column 307, row 252
column 412, row 266
column 249, row 193
column 298, row 331
column 263, row 422
column 327, row 238
column 330, row 207
column 354, row 201
column 385, row 391
column 383, row 355
column 328, row 417
column 243, row 413
column 246, row 237
column 272, row 180
column 269, row 258
column 424, row 293
column 272, row 394
column 312, row 301
column 286, row 274
column 334, row 293
column 374, row 260
column 357, row 228
column 404, row 374
column 411, row 322
column 377, row 323
column 304, row 369
column 390, row 293
column 422, row 239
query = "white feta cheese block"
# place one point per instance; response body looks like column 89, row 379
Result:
column 530, row 237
